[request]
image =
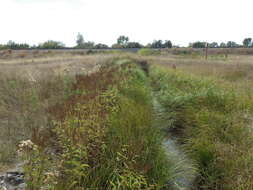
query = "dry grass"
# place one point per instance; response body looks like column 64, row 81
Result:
column 28, row 87
column 236, row 71
column 212, row 51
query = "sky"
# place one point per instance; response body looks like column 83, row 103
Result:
column 103, row 21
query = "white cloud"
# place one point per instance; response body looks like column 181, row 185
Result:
column 181, row 21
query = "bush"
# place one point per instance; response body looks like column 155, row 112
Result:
column 147, row 51
column 51, row 45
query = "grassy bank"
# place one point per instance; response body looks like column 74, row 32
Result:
column 213, row 122
column 101, row 136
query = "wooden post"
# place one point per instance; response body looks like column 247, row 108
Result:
column 226, row 54
column 206, row 50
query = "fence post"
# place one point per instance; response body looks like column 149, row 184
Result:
column 206, row 50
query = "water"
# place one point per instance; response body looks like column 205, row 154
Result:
column 183, row 169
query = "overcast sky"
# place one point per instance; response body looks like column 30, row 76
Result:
column 102, row 21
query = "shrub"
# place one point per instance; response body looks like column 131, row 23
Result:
column 147, row 51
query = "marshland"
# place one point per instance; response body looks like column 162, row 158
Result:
column 124, row 120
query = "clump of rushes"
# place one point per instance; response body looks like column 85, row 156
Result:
column 213, row 122
column 102, row 135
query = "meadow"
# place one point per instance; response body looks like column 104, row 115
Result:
column 101, row 120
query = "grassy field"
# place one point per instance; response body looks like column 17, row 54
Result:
column 94, row 125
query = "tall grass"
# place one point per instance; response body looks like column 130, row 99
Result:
column 102, row 136
column 213, row 122
column 23, row 105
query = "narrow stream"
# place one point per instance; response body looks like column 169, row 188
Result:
column 13, row 179
column 183, row 169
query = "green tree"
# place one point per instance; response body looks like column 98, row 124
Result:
column 122, row 40
column 199, row 44
column 88, row 45
column 134, row 45
column 157, row 44
column 223, row 45
column 50, row 44
column 167, row 44
column 13, row 45
column 79, row 40
column 101, row 46
column 213, row 45
column 247, row 42
column 232, row 44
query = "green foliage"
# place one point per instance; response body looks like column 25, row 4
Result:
column 36, row 167
column 213, row 45
column 247, row 42
column 87, row 45
column 211, row 122
column 223, row 45
column 101, row 46
column 51, row 45
column 232, row 44
column 101, row 143
column 147, row 51
column 79, row 40
column 198, row 44
column 133, row 45
column 160, row 44
column 13, row 45
column 122, row 40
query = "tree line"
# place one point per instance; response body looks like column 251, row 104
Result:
column 81, row 43
column 122, row 42
column 247, row 42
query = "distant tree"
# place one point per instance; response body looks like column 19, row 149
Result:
column 223, row 45
column 247, row 42
column 79, row 40
column 134, row 45
column 50, row 44
column 232, row 44
column 157, row 44
column 88, row 45
column 34, row 46
column 101, row 46
column 199, row 44
column 160, row 44
column 122, row 40
column 167, row 44
column 213, row 45
column 13, row 45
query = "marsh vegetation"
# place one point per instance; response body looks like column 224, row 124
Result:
column 128, row 121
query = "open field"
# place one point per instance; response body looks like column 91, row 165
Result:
column 127, row 121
